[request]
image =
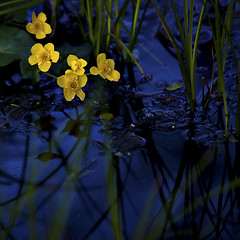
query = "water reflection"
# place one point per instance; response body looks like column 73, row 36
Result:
column 170, row 187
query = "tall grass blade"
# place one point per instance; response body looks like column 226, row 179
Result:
column 222, row 40
column 184, row 70
column 131, row 55
column 134, row 35
column 19, row 7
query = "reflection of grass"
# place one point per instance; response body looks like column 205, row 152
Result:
column 199, row 196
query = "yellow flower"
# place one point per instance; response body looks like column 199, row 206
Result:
column 43, row 56
column 105, row 68
column 77, row 65
column 72, row 84
column 38, row 26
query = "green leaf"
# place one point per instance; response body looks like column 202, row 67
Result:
column 29, row 72
column 16, row 5
column 106, row 116
column 81, row 51
column 20, row 16
column 73, row 128
column 46, row 156
column 5, row 59
column 173, row 86
column 13, row 43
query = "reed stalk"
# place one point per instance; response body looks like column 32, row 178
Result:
column 221, row 37
column 187, row 61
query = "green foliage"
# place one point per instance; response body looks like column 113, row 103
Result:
column 13, row 43
column 81, row 51
column 173, row 86
column 16, row 5
column 106, row 116
column 222, row 39
column 46, row 156
column 73, row 128
column 187, row 63
column 29, row 72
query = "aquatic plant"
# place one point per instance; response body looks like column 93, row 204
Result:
column 221, row 30
column 43, row 56
column 72, row 85
column 77, row 65
column 38, row 26
column 105, row 68
column 187, row 62
column 178, row 195
column 10, row 6
column 73, row 80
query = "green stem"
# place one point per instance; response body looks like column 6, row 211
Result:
column 49, row 75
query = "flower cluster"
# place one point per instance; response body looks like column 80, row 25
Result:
column 74, row 78
column 41, row 55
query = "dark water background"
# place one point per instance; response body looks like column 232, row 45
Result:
column 179, row 166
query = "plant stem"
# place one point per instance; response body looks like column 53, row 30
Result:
column 49, row 75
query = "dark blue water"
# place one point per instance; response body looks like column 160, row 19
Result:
column 176, row 177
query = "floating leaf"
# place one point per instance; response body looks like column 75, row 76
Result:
column 173, row 86
column 46, row 156
column 127, row 143
column 106, row 116
column 119, row 154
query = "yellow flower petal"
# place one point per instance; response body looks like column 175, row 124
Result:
column 82, row 80
column 40, row 35
column 32, row 60
column 82, row 62
column 110, row 63
column 34, row 18
column 101, row 59
column 115, row 75
column 109, row 77
column 30, row 28
column 81, row 94
column 81, row 71
column 47, row 28
column 71, row 58
column 42, row 17
column 94, row 71
column 103, row 75
column 62, row 81
column 68, row 71
column 49, row 47
column 44, row 66
column 37, row 49
column 55, row 56
column 68, row 94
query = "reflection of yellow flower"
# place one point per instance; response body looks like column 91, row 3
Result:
column 38, row 26
column 105, row 68
column 72, row 84
column 43, row 56
column 77, row 65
